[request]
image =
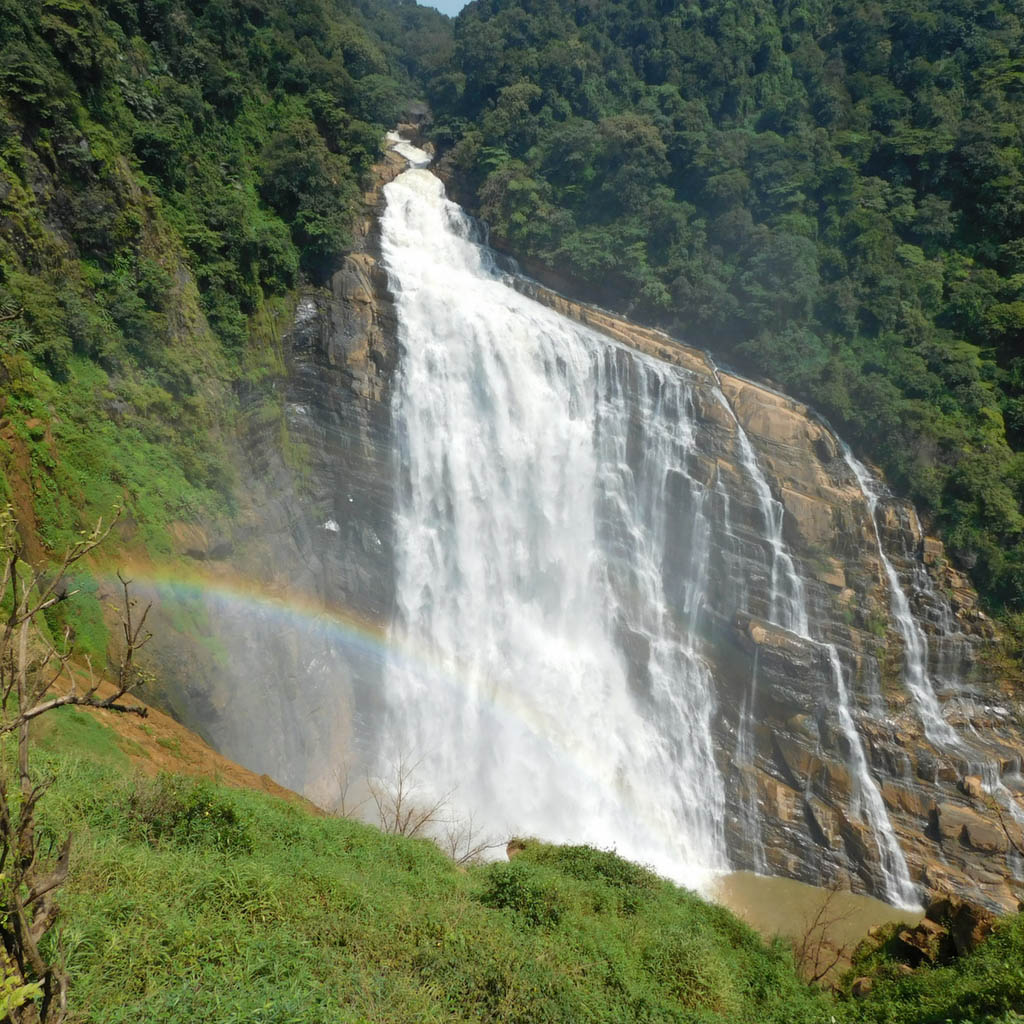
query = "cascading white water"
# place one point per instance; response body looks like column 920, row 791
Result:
column 547, row 615
column 413, row 154
column 788, row 598
column 898, row 885
column 751, row 817
column 789, row 610
column 915, row 659
column 553, row 541
column 915, row 644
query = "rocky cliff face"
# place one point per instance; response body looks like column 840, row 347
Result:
column 297, row 694
column 273, row 654
column 796, row 803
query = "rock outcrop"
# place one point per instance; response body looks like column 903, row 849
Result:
column 948, row 802
column 275, row 645
column 316, row 532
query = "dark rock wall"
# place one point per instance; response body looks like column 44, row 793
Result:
column 279, row 664
column 295, row 692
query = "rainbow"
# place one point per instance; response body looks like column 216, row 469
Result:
column 276, row 602
column 289, row 609
column 353, row 632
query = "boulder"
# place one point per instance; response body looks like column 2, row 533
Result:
column 968, row 924
column 862, row 987
column 928, row 942
column 514, row 847
column 967, row 826
column 972, row 787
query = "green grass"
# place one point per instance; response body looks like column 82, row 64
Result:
column 70, row 729
column 83, row 616
column 987, row 986
column 189, row 901
column 171, row 743
column 92, row 464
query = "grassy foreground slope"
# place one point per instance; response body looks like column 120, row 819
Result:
column 190, row 901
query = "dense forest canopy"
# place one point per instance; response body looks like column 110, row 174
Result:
column 827, row 194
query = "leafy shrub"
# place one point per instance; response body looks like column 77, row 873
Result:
column 987, row 985
column 185, row 812
column 523, row 889
column 589, row 864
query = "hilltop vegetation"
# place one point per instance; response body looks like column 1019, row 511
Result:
column 827, row 194
column 170, row 172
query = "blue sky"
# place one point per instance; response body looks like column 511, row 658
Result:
column 451, row 7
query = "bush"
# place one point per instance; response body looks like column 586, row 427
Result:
column 185, row 812
column 524, row 890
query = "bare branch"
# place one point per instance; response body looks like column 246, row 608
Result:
column 817, row 952
column 398, row 810
column 993, row 805
column 401, row 809
column 28, row 674
column 465, row 843
column 342, row 807
column 78, row 701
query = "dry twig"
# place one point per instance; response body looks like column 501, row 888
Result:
column 30, row 666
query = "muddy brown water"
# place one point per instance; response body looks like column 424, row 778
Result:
column 786, row 908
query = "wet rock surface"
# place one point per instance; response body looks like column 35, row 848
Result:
column 953, row 822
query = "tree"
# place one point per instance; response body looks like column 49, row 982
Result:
column 405, row 808
column 33, row 989
column 818, row 950
column 313, row 190
column 402, row 809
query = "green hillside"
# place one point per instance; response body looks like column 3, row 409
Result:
column 829, row 194
column 169, row 173
column 189, row 901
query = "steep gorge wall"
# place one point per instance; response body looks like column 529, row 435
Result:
column 281, row 641
column 797, row 772
column 296, row 695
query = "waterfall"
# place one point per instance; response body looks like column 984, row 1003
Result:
column 788, row 603
column 560, row 541
column 916, row 658
column 548, row 672
column 788, row 600
column 899, row 888
column 750, row 814
column 915, row 644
